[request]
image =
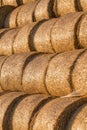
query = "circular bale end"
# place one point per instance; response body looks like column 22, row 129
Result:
column 79, row 119
column 25, row 14
column 25, row 110
column 40, row 36
column 82, row 32
column 5, row 100
column 34, row 74
column 12, row 71
column 44, row 10
column 6, row 42
column 56, row 114
column 79, row 73
column 21, row 42
column 66, row 6
column 63, row 34
column 11, row 19
column 58, row 77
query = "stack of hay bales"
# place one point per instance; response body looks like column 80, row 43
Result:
column 43, row 66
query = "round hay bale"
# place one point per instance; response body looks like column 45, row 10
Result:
column 24, row 111
column 11, row 19
column 44, row 10
column 12, row 71
column 5, row 101
column 82, row 32
column 58, row 80
column 6, row 42
column 10, row 2
column 63, row 34
column 66, row 6
column 21, row 42
column 83, row 5
column 55, row 114
column 40, row 38
column 2, row 60
column 79, row 72
column 4, row 11
column 34, row 74
column 79, row 119
column 26, row 14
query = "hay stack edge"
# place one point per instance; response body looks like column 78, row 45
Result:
column 43, row 64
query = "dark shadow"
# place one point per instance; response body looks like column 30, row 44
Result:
column 4, row 11
column 50, row 9
column 32, row 34
column 8, row 117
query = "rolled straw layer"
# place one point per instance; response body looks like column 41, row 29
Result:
column 55, row 74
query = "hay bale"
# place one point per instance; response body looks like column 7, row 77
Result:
column 6, row 42
column 83, row 5
column 82, row 32
column 79, row 73
column 58, row 79
column 10, row 2
column 26, row 14
column 79, row 119
column 63, row 34
column 2, row 60
column 11, row 19
column 4, row 11
column 5, row 100
column 12, row 71
column 40, row 37
column 34, row 74
column 21, row 42
column 66, row 6
column 44, row 10
column 55, row 114
column 25, row 109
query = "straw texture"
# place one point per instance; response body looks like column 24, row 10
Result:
column 10, row 2
column 44, row 10
column 54, row 74
column 11, row 19
column 56, row 113
column 41, row 39
column 65, row 6
column 5, row 100
column 63, row 35
column 83, row 4
column 2, row 60
column 82, row 32
column 25, row 109
column 58, row 73
column 6, row 42
column 79, row 119
column 12, row 70
column 33, row 77
column 22, row 42
column 25, row 15
column 79, row 73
